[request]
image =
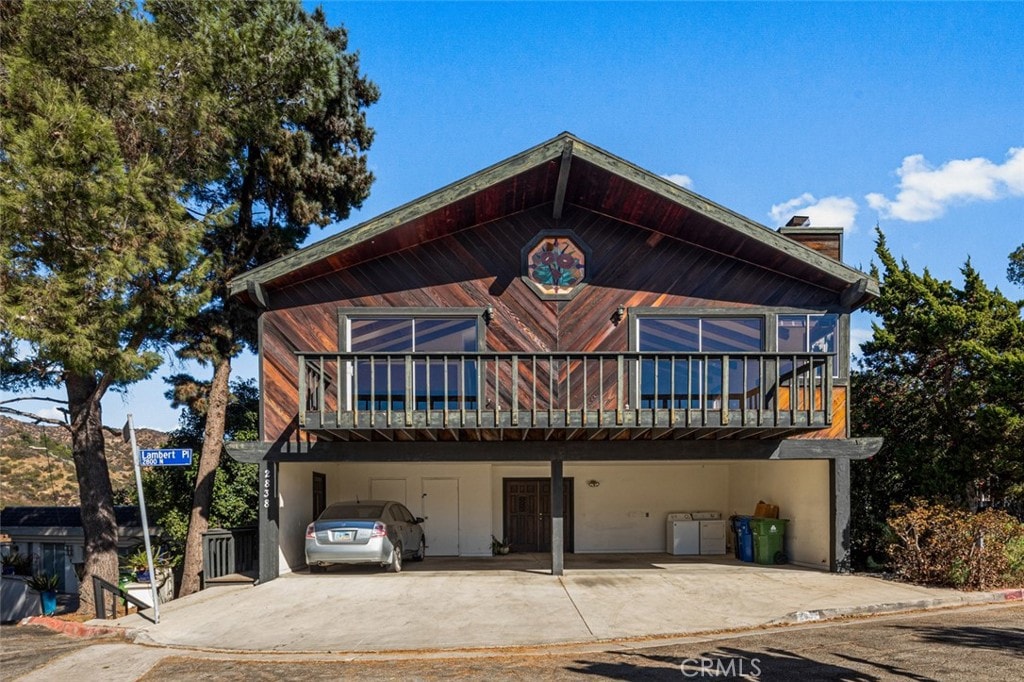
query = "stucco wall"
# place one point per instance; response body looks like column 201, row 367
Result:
column 295, row 495
column 801, row 489
column 626, row 511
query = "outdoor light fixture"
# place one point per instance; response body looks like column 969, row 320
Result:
column 619, row 315
column 488, row 313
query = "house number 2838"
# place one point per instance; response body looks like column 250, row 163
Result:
column 266, row 488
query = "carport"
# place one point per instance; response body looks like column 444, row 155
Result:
column 605, row 506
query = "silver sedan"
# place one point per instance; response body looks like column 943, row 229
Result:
column 365, row 532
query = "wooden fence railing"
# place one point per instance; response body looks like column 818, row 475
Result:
column 564, row 390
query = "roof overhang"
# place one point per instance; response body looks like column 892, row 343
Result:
column 563, row 171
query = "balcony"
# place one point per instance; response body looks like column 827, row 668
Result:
column 564, row 396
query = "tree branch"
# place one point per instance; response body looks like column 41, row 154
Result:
column 36, row 419
column 32, row 397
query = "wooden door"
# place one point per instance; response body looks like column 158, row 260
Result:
column 528, row 514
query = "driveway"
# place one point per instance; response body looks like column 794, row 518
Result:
column 514, row 601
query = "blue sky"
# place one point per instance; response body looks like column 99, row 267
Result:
column 910, row 115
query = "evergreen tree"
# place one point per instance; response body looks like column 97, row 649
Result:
column 98, row 253
column 940, row 380
column 1015, row 270
column 291, row 133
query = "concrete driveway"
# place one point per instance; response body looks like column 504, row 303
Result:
column 513, row 601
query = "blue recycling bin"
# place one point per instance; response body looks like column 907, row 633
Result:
column 744, row 549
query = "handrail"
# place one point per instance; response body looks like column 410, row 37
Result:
column 101, row 586
column 565, row 389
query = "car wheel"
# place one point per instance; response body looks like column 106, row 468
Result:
column 396, row 559
column 421, row 553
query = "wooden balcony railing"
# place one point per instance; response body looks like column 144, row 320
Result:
column 341, row 391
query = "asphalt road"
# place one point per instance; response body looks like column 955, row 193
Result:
column 976, row 643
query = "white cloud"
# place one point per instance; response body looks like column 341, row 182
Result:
column 51, row 413
column 825, row 212
column 680, row 179
column 859, row 335
column 926, row 192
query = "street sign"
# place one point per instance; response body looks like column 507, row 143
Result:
column 166, row 457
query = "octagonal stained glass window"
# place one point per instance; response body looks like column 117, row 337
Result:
column 555, row 264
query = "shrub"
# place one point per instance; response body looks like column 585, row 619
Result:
column 21, row 564
column 937, row 545
column 43, row 582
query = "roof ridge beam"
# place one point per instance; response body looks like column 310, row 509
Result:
column 563, row 180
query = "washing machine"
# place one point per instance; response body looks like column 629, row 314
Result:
column 682, row 534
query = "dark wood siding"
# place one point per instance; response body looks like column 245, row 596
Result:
column 480, row 266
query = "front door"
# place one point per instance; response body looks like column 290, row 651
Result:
column 528, row 514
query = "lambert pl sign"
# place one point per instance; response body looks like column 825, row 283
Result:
column 166, row 457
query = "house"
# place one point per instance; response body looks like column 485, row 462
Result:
column 559, row 350
column 53, row 539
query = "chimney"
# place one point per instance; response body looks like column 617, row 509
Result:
column 824, row 240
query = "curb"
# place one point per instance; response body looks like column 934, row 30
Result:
column 968, row 599
column 1012, row 595
column 75, row 629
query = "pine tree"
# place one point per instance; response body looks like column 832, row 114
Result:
column 98, row 253
column 292, row 132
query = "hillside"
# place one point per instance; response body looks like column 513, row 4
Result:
column 31, row 477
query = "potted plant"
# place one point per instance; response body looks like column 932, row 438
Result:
column 138, row 565
column 500, row 546
column 17, row 564
column 46, row 585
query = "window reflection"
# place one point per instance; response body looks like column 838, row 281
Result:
column 681, row 382
column 437, row 382
column 808, row 334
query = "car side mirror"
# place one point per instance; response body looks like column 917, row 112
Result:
column 419, row 519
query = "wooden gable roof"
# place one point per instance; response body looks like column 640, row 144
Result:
column 563, row 170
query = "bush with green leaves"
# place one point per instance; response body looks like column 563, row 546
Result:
column 938, row 545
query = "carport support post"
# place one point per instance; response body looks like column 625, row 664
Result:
column 557, row 519
column 268, row 513
column 839, row 508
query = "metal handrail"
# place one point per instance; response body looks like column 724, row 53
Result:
column 546, row 390
column 100, row 587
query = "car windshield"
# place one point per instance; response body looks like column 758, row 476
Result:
column 353, row 511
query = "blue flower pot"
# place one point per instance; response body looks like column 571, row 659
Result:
column 142, row 576
column 49, row 602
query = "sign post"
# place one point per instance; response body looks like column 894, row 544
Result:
column 130, row 428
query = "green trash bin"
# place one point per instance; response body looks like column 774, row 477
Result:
column 769, row 536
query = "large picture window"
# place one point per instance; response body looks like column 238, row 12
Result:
column 381, row 384
column 680, row 382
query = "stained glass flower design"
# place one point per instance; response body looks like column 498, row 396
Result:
column 556, row 265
